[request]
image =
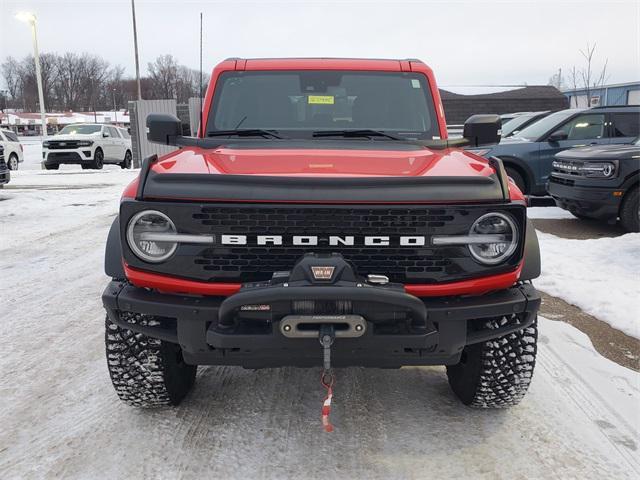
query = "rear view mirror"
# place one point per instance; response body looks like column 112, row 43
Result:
column 558, row 136
column 482, row 130
column 163, row 128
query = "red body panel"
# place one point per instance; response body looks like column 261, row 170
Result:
column 325, row 163
column 165, row 283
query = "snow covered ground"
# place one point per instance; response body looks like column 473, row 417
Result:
column 60, row 417
column 601, row 276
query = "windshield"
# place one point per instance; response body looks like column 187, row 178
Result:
column 297, row 103
column 515, row 123
column 80, row 129
column 535, row 131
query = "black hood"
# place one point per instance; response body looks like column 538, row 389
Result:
column 601, row 152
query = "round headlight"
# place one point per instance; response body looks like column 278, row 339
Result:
column 143, row 233
column 502, row 228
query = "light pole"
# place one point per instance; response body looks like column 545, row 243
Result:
column 135, row 47
column 30, row 18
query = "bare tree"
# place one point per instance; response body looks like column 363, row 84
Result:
column 13, row 80
column 586, row 78
column 163, row 73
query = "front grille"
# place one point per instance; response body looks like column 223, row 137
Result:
column 562, row 181
column 250, row 262
column 60, row 145
column 64, row 156
column 3, row 164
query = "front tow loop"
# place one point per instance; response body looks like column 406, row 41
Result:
column 327, row 336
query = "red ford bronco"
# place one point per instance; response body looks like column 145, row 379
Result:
column 322, row 218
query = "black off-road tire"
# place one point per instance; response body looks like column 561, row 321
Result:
column 496, row 373
column 517, row 179
column 127, row 162
column 630, row 211
column 98, row 159
column 13, row 163
column 51, row 166
column 146, row 372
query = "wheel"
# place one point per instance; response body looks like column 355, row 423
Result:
column 51, row 166
column 98, row 160
column 126, row 163
column 13, row 162
column 630, row 211
column 495, row 373
column 146, row 372
column 517, row 179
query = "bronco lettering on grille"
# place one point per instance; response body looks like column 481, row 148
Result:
column 332, row 240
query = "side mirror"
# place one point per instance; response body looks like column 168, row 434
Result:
column 558, row 136
column 482, row 130
column 163, row 128
column 105, row 134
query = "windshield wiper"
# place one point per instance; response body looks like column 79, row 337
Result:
column 249, row 132
column 355, row 133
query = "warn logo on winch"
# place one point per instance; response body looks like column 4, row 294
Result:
column 322, row 273
column 332, row 241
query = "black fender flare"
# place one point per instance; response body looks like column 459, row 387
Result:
column 631, row 181
column 520, row 164
column 113, row 266
column 531, row 268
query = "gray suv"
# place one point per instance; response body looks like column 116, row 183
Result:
column 528, row 157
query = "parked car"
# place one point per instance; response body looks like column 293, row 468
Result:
column 520, row 122
column 507, row 117
column 5, row 174
column 90, row 145
column 13, row 154
column 529, row 155
column 599, row 182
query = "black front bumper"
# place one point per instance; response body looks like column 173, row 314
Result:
column 74, row 158
column 5, row 176
column 433, row 332
column 594, row 201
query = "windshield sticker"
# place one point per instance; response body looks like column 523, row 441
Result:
column 321, row 99
column 415, row 83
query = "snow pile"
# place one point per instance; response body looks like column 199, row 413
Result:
column 549, row 213
column 601, row 276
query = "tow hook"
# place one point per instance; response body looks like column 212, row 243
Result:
column 327, row 336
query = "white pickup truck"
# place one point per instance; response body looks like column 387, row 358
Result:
column 90, row 145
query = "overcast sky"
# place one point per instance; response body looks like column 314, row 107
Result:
column 465, row 42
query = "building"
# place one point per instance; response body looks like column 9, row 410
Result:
column 27, row 123
column 608, row 95
column 458, row 108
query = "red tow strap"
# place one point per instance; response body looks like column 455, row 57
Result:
column 327, row 381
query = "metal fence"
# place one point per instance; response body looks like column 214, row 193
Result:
column 138, row 112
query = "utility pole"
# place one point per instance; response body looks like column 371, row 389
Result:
column 115, row 110
column 135, row 47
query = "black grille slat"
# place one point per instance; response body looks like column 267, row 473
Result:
column 62, row 145
column 253, row 263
